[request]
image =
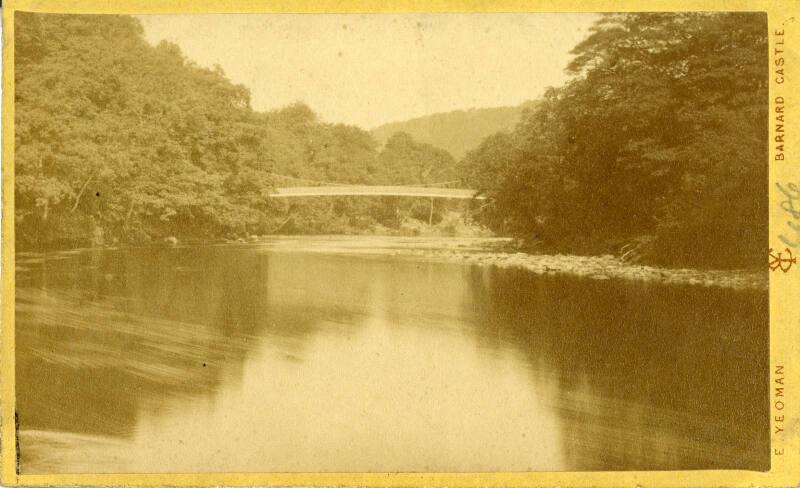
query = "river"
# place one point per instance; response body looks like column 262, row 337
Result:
column 337, row 354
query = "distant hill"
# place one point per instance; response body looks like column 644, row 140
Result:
column 458, row 131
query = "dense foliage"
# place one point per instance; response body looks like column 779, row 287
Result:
column 656, row 149
column 120, row 141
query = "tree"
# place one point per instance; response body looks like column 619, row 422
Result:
column 118, row 140
column 654, row 143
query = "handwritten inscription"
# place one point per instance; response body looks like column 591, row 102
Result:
column 790, row 204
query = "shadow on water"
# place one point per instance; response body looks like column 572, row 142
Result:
column 650, row 376
column 127, row 357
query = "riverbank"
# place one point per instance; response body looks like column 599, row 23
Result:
column 488, row 251
column 500, row 252
column 610, row 267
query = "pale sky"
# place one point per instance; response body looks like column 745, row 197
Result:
column 370, row 69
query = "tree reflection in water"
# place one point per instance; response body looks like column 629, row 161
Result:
column 393, row 364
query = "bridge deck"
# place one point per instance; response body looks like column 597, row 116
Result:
column 375, row 190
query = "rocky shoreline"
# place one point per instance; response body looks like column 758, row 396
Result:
column 602, row 268
column 499, row 252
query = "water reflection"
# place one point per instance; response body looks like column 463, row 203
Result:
column 243, row 358
column 650, row 377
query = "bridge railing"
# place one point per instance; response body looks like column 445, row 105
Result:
column 375, row 190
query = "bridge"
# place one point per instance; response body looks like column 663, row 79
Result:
column 329, row 189
column 300, row 188
column 375, row 190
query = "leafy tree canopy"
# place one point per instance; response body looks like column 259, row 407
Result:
column 657, row 145
column 118, row 140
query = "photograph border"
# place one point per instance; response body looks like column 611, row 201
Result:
column 784, row 287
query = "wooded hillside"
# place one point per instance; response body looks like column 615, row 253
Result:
column 656, row 149
column 119, row 141
column 459, row 131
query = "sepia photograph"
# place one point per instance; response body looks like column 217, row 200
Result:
column 392, row 242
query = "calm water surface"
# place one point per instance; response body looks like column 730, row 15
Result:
column 282, row 356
